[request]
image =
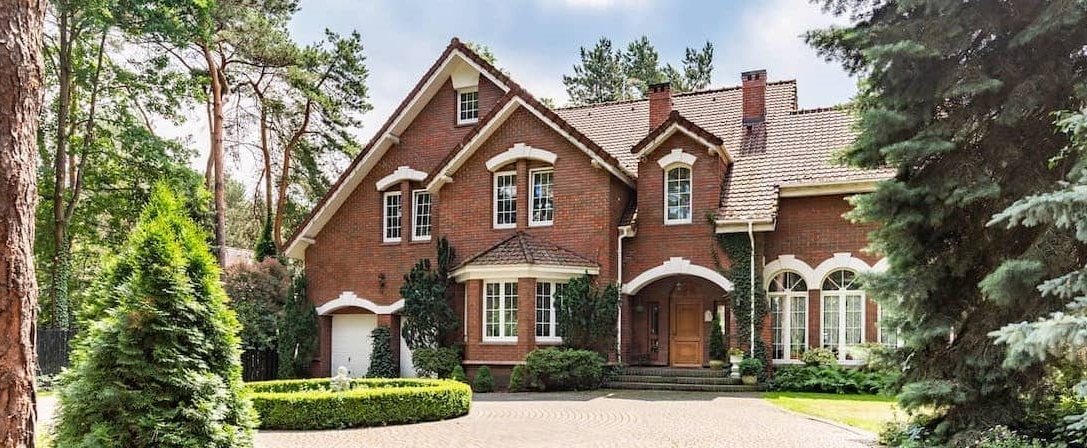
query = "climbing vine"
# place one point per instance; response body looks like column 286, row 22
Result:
column 737, row 247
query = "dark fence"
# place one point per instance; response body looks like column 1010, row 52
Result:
column 259, row 365
column 53, row 347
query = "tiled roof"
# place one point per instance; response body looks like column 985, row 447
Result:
column 791, row 147
column 523, row 248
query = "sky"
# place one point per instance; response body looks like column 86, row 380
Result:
column 538, row 41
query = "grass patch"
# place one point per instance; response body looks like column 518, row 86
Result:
column 867, row 412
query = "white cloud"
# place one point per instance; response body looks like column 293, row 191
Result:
column 598, row 5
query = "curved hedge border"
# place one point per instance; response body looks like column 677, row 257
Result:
column 308, row 404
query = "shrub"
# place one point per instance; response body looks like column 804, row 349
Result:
column 308, row 404
column 820, row 357
column 459, row 375
column 258, row 292
column 586, row 315
column 483, row 382
column 751, row 367
column 830, row 379
column 429, row 321
column 159, row 361
column 718, row 349
column 435, row 362
column 297, row 333
column 517, row 378
column 381, row 358
column 1002, row 437
column 563, row 369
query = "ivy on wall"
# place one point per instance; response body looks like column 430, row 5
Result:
column 737, row 247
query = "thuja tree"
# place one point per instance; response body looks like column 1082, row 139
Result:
column 297, row 333
column 429, row 320
column 158, row 364
column 587, row 315
column 381, row 357
column 956, row 97
column 1056, row 339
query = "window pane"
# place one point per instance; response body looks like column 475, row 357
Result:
column 506, row 199
column 492, row 302
column 469, row 106
column 543, row 208
column 678, row 194
column 509, row 302
column 422, row 215
column 543, row 309
column 853, row 321
column 392, row 216
column 830, row 322
column 798, row 325
column 776, row 317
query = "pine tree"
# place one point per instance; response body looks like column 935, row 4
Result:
column 599, row 78
column 956, row 97
column 641, row 65
column 159, row 364
column 266, row 247
column 381, row 358
column 297, row 343
column 615, row 75
column 1057, row 338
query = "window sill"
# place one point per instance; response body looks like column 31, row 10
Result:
column 548, row 341
column 391, row 242
column 498, row 342
column 676, row 223
column 420, row 240
column 461, row 124
column 541, row 224
column 505, row 227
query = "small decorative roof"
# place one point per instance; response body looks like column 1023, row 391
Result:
column 524, row 248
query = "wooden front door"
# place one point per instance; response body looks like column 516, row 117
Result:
column 685, row 348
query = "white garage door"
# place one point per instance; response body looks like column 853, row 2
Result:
column 351, row 343
column 407, row 369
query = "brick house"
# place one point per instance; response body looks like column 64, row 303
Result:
column 630, row 192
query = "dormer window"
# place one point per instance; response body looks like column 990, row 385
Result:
column 677, row 195
column 468, row 106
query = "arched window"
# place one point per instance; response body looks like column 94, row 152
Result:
column 843, row 312
column 677, row 195
column 788, row 315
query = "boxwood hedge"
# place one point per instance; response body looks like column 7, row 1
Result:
column 308, row 404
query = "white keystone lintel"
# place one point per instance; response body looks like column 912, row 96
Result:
column 676, row 266
column 401, row 174
column 349, row 299
column 677, row 156
column 520, row 151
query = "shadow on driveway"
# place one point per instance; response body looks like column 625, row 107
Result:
column 615, row 394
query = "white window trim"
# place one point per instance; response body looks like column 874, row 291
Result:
column 690, row 205
column 842, row 352
column 554, row 315
column 385, row 217
column 879, row 328
column 494, row 200
column 460, row 92
column 415, row 218
column 787, row 316
column 501, row 310
column 532, row 197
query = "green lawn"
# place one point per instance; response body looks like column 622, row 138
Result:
column 867, row 412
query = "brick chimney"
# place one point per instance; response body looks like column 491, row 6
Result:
column 660, row 103
column 754, row 91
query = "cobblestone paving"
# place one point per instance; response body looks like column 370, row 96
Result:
column 596, row 419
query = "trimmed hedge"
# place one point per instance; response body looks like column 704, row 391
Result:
column 553, row 369
column 308, row 404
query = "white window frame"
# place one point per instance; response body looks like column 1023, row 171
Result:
column 385, row 218
column 690, row 193
column 461, row 104
column 532, row 197
column 841, row 294
column 415, row 227
column 786, row 322
column 494, row 200
column 879, row 330
column 553, row 324
column 502, row 310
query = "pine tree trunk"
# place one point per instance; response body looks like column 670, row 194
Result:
column 216, row 124
column 21, row 24
column 61, row 268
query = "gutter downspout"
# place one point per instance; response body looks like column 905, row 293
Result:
column 619, row 287
column 751, row 236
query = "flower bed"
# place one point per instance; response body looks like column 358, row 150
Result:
column 308, row 404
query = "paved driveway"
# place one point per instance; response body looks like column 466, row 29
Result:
column 596, row 419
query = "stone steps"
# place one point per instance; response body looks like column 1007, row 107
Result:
column 677, row 379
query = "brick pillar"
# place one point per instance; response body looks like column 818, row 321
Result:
column 526, row 314
column 523, row 196
column 815, row 319
column 626, row 326
column 407, row 211
column 474, row 304
column 322, row 366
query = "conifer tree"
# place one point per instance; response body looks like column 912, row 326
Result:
column 606, row 75
column 159, row 362
column 956, row 97
column 381, row 358
column 297, row 343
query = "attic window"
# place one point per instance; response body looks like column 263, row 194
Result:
column 468, row 105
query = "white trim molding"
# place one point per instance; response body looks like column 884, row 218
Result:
column 675, row 127
column 401, row 174
column 789, row 263
column 881, row 266
column 741, row 225
column 676, row 157
column 520, row 151
column 840, row 260
column 828, row 188
column 675, row 266
column 349, row 299
column 521, row 270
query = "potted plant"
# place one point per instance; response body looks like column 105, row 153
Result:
column 717, row 345
column 735, row 355
column 750, row 369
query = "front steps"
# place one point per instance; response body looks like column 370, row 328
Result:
column 678, row 379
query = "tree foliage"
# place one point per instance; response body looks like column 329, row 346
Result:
column 159, row 362
column 587, row 315
column 1057, row 338
column 956, row 97
column 718, row 347
column 381, row 358
column 297, row 333
column 612, row 74
column 429, row 320
column 258, row 293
